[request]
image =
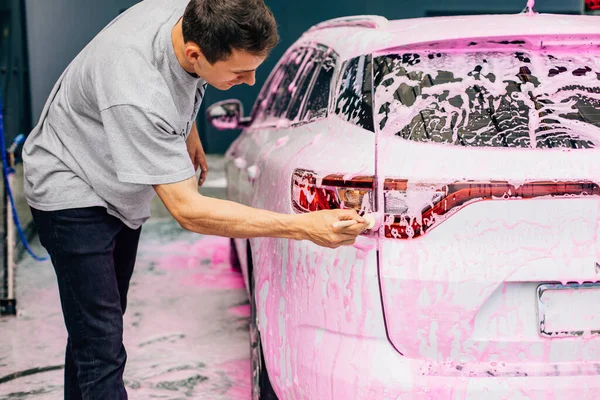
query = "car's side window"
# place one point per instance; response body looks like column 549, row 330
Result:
column 280, row 91
column 261, row 104
column 303, row 82
column 299, row 88
column 318, row 100
column 355, row 96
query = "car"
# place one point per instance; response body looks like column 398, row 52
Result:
column 474, row 141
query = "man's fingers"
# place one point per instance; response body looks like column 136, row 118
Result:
column 345, row 215
column 343, row 239
column 350, row 227
column 345, row 223
column 357, row 229
column 202, row 164
column 202, row 178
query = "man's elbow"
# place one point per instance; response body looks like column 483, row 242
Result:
column 183, row 222
column 188, row 225
column 179, row 200
column 183, row 217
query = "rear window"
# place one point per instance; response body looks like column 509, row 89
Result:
column 519, row 99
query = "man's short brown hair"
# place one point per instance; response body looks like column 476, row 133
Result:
column 219, row 26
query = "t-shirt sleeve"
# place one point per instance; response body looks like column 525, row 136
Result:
column 145, row 149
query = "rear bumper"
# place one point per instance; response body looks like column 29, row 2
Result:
column 345, row 367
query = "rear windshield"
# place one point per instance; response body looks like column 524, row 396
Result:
column 524, row 99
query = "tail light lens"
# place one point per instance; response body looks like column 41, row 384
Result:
column 313, row 193
column 424, row 206
column 411, row 209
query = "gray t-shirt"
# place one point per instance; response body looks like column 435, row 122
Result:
column 117, row 120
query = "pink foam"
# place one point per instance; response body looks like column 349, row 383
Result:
column 224, row 278
column 209, row 256
column 240, row 311
column 238, row 372
column 208, row 249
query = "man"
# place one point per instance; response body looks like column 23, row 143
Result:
column 119, row 128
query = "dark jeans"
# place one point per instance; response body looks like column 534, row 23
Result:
column 93, row 255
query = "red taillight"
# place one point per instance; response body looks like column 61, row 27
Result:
column 449, row 199
column 591, row 5
column 411, row 209
column 312, row 193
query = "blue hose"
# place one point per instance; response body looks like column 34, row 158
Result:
column 7, row 172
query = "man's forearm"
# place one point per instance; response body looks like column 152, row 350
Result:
column 193, row 132
column 225, row 218
column 209, row 216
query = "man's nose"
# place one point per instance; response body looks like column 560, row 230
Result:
column 249, row 78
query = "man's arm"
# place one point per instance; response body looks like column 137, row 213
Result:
column 210, row 216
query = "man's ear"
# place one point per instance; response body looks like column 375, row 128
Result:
column 194, row 54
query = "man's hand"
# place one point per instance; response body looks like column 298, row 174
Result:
column 197, row 155
column 320, row 227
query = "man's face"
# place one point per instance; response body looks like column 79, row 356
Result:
column 239, row 68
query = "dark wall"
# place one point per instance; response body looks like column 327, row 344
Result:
column 59, row 29
column 13, row 69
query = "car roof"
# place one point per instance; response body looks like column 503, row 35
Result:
column 350, row 40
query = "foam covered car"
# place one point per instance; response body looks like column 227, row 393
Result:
column 475, row 141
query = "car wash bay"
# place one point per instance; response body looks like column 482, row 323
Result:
column 186, row 325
